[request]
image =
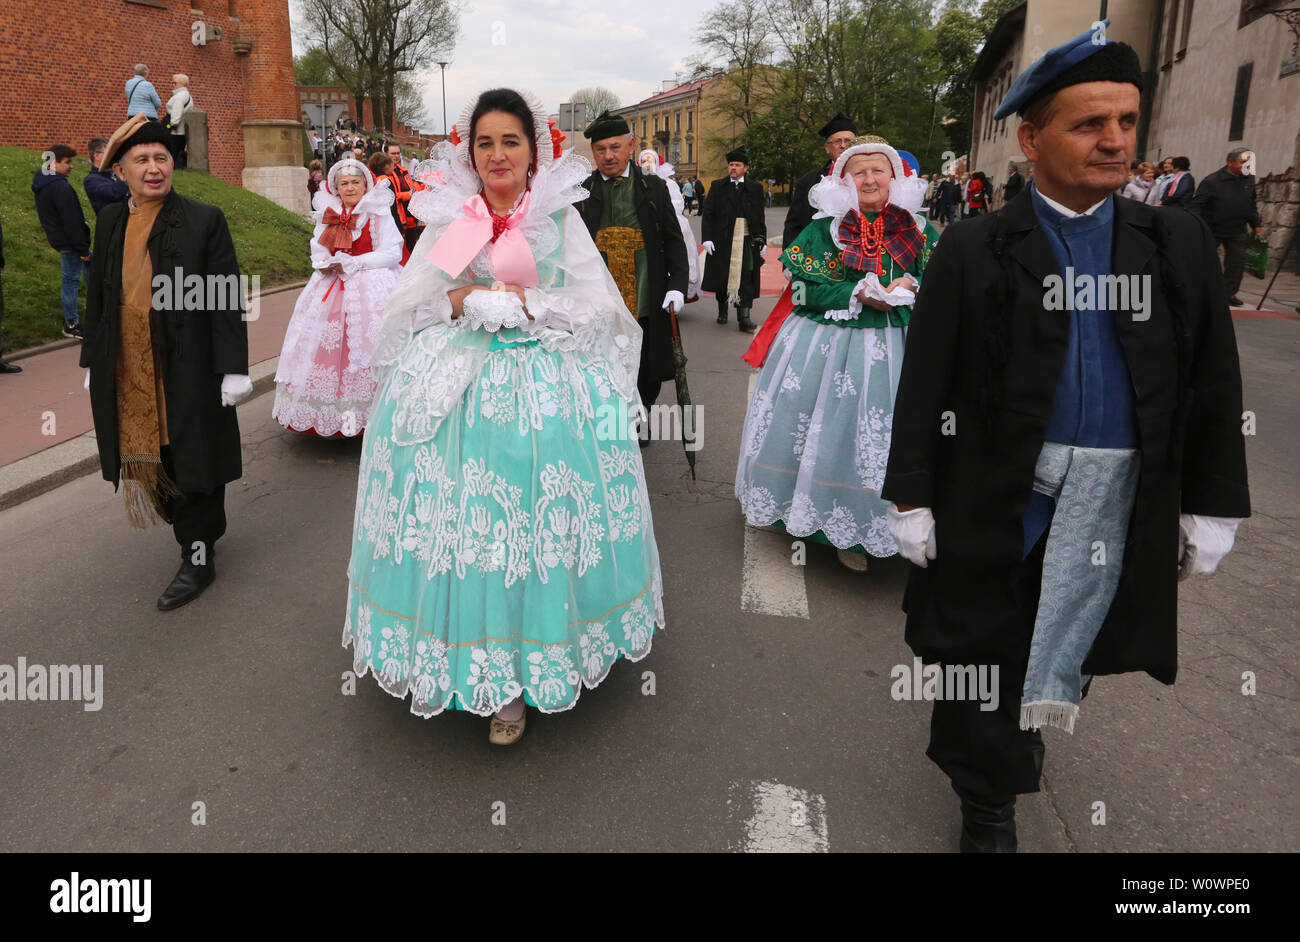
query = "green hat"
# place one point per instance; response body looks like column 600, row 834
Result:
column 606, row 125
column 739, row 154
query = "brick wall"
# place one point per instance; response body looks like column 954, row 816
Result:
column 62, row 72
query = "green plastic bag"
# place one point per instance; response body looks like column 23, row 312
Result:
column 1257, row 256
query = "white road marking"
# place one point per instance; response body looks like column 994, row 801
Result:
column 772, row 584
column 779, row 819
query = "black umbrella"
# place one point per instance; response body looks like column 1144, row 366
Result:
column 683, row 389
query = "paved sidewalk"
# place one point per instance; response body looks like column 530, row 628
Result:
column 47, row 404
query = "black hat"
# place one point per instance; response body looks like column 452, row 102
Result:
column 739, row 154
column 606, row 125
column 841, row 122
column 1081, row 59
column 137, row 130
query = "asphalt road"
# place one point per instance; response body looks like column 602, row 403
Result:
column 765, row 731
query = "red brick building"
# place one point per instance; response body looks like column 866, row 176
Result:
column 63, row 69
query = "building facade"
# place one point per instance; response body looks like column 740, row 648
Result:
column 64, row 71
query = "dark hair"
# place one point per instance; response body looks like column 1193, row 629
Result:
column 1182, row 163
column 511, row 102
column 380, row 163
column 62, row 152
column 1041, row 112
column 97, row 144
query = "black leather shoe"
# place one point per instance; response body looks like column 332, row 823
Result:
column 188, row 585
column 9, row 367
column 988, row 826
column 743, row 322
column 1236, row 301
column 722, row 317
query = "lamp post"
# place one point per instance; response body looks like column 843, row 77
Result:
column 443, row 67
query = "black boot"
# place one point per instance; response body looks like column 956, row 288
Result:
column 743, row 321
column 188, row 585
column 988, row 825
column 722, row 313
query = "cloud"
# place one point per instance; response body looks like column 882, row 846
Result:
column 554, row 47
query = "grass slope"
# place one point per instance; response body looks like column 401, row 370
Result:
column 270, row 242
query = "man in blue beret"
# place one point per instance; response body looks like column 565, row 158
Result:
column 1066, row 439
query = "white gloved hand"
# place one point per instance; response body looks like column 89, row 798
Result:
column 86, row 384
column 789, row 276
column 913, row 531
column 1203, row 542
column 708, row 248
column 235, row 388
column 762, row 251
column 674, row 298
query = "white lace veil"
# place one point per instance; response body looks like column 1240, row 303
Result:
column 576, row 303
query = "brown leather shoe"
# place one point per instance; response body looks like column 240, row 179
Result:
column 507, row 732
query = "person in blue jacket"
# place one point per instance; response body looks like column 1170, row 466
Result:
column 65, row 227
column 100, row 185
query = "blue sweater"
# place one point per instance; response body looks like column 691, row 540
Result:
column 103, row 188
column 141, row 97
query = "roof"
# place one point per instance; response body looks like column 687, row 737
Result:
column 671, row 93
column 1005, row 31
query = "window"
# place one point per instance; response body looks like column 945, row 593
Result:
column 644, row 132
column 679, row 122
column 690, row 152
column 656, row 124
column 690, row 119
column 1240, row 96
column 1187, row 28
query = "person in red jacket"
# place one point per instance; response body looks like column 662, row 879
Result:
column 977, row 194
column 404, row 187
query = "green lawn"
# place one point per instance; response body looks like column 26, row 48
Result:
column 270, row 242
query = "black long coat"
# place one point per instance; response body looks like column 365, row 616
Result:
column 982, row 346
column 721, row 208
column 198, row 347
column 801, row 211
column 666, row 264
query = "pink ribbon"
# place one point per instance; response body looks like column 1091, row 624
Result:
column 462, row 240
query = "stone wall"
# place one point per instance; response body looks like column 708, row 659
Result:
column 1278, row 199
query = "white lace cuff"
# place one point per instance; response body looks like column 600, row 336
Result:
column 493, row 310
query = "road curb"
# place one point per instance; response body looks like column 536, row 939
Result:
column 57, row 465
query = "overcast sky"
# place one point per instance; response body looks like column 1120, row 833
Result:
column 554, row 47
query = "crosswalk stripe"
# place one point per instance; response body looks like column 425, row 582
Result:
column 771, row 583
column 779, row 819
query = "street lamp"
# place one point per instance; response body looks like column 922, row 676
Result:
column 443, row 67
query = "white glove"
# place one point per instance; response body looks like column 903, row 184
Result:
column 674, row 298
column 708, row 248
column 1203, row 542
column 789, row 276
column 235, row 389
column 762, row 251
column 86, row 384
column 913, row 531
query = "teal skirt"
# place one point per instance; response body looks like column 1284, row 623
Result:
column 512, row 552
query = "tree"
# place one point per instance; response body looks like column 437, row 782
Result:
column 597, row 99
column 371, row 44
column 313, row 68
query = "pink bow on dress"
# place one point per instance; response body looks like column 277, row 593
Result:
column 461, row 241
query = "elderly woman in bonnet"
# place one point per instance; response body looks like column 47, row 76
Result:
column 816, row 434
column 323, row 384
column 651, row 162
column 503, row 553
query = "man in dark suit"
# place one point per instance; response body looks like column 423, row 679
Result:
column 1015, row 183
column 1225, row 201
column 1051, row 460
column 632, row 221
column 166, row 345
column 839, row 133
column 735, row 238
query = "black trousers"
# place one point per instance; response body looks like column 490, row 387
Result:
column 985, row 753
column 1234, row 261
column 179, row 154
column 197, row 519
column 412, row 236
